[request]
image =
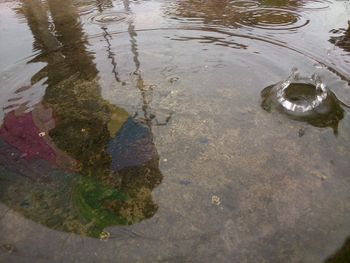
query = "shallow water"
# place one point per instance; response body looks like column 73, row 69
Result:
column 137, row 131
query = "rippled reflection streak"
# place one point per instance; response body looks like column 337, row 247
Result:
column 283, row 3
column 238, row 13
column 93, row 165
column 343, row 38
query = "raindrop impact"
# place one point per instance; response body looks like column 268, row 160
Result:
column 272, row 19
column 109, row 17
column 305, row 99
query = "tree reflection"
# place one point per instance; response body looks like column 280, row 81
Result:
column 231, row 13
column 107, row 161
column 283, row 3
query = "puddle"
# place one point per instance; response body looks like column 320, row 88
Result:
column 150, row 130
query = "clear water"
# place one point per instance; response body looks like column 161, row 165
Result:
column 137, row 131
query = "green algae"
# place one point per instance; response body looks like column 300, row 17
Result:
column 92, row 198
column 82, row 118
column 74, row 203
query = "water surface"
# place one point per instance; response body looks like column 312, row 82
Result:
column 134, row 131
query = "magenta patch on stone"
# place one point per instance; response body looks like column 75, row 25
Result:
column 22, row 133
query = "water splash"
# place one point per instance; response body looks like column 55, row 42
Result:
column 305, row 99
column 301, row 95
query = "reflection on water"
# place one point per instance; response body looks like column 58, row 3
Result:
column 294, row 3
column 342, row 39
column 75, row 130
column 257, row 14
column 272, row 18
column 108, row 96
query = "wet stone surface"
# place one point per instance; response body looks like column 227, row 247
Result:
column 146, row 131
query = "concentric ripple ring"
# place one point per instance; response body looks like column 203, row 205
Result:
column 272, row 19
column 110, row 17
column 244, row 4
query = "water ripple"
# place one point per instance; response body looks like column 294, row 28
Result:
column 297, row 4
column 109, row 17
column 304, row 99
column 272, row 19
column 245, row 4
column 87, row 9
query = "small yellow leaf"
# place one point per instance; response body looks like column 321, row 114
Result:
column 215, row 200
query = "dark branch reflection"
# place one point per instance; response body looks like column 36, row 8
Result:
column 343, row 39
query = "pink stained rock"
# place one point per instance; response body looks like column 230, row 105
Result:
column 21, row 132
